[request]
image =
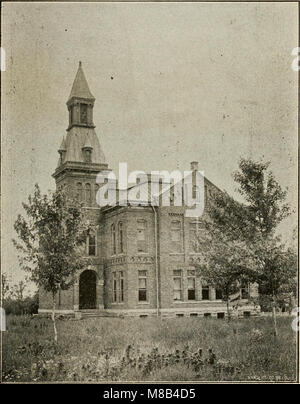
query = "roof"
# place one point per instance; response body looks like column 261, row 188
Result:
column 80, row 88
column 76, row 139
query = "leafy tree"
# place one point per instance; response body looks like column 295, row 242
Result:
column 51, row 240
column 227, row 261
column 244, row 245
column 5, row 288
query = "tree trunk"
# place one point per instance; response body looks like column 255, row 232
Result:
column 228, row 310
column 274, row 317
column 53, row 318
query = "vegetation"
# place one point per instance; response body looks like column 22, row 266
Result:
column 130, row 349
column 49, row 241
column 14, row 300
column 243, row 246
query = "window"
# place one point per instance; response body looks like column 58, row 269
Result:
column 83, row 113
column 244, row 291
column 205, row 292
column 79, row 191
column 142, row 292
column 121, row 246
column 92, row 244
column 73, row 115
column 220, row 315
column 141, row 236
column 113, row 239
column 177, row 278
column 96, row 190
column 176, row 238
column 88, row 155
column 114, row 287
column 121, row 280
column 193, row 237
column 219, row 294
column 88, row 194
column 207, row 314
column 191, row 285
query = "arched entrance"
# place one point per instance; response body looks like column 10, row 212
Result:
column 87, row 290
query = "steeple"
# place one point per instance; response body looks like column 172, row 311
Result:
column 80, row 88
column 81, row 102
column 80, row 151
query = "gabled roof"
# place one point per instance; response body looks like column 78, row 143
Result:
column 80, row 88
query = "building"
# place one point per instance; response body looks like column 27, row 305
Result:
column 143, row 256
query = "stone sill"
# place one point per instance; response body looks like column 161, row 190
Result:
column 198, row 301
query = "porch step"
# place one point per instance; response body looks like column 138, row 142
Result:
column 96, row 313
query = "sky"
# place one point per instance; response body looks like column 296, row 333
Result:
column 173, row 82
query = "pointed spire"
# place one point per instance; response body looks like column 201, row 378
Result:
column 80, row 86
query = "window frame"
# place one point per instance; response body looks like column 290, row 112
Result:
column 177, row 275
column 93, row 235
column 176, row 228
column 114, row 288
column 142, row 289
column 206, row 288
column 121, row 286
column 113, row 239
column 121, row 237
column 142, row 226
column 191, row 275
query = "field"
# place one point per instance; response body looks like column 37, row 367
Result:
column 149, row 349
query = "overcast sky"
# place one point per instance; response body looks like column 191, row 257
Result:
column 173, row 82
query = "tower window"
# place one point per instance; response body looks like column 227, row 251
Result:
column 92, row 245
column 88, row 194
column 79, row 191
column 83, row 113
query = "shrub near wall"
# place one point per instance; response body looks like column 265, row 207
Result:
column 28, row 305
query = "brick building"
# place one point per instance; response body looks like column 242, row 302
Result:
column 143, row 256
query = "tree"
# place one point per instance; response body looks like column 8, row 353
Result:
column 227, row 261
column 51, row 241
column 265, row 201
column 243, row 239
column 5, row 288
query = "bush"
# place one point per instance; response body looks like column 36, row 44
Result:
column 28, row 305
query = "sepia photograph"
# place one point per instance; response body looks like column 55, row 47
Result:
column 149, row 194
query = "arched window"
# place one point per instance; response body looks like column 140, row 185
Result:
column 113, row 239
column 88, row 194
column 121, row 244
column 79, row 191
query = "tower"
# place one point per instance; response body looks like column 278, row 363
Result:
column 80, row 154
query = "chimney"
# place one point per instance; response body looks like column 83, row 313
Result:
column 194, row 165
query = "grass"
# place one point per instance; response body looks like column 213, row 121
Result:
column 130, row 349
